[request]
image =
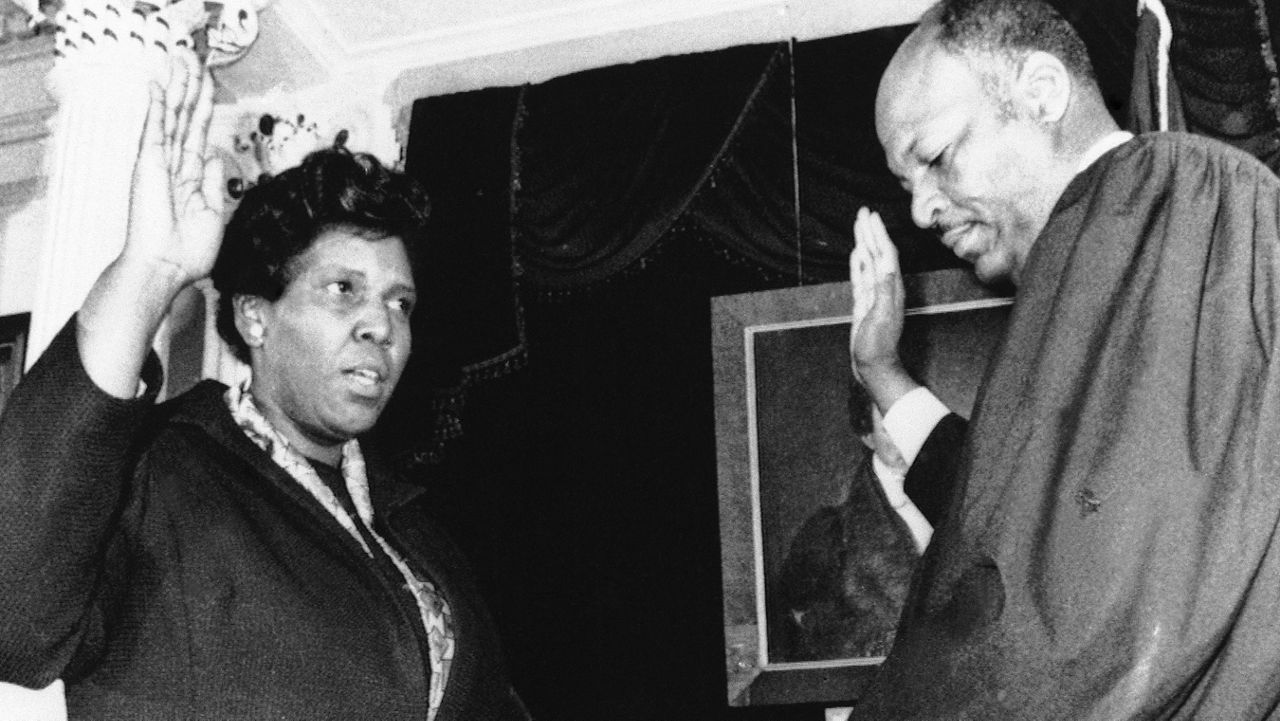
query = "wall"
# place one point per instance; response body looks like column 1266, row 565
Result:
column 24, row 108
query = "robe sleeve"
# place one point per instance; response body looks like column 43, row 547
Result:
column 931, row 480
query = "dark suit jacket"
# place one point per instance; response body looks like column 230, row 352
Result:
column 845, row 577
column 164, row 566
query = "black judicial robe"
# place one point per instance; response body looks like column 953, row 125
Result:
column 1112, row 549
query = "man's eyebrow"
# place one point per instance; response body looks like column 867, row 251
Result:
column 903, row 180
column 913, row 150
column 400, row 288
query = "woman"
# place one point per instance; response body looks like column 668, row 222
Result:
column 231, row 553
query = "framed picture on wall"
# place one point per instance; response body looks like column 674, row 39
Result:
column 13, row 352
column 810, row 611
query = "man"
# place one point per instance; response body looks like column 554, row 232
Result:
column 1108, row 547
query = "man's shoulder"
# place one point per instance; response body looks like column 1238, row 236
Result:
column 1174, row 147
column 1153, row 165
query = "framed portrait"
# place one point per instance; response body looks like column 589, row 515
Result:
column 810, row 611
column 13, row 352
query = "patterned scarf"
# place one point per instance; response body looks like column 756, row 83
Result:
column 434, row 610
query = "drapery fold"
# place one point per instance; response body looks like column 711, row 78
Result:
column 470, row 325
column 610, row 158
column 604, row 164
column 1221, row 73
column 808, row 141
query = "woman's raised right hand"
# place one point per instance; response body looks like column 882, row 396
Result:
column 176, row 206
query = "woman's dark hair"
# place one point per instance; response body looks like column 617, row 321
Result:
column 279, row 219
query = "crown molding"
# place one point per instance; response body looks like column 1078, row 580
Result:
column 452, row 43
column 558, row 38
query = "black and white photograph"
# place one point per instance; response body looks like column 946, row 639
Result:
column 639, row 360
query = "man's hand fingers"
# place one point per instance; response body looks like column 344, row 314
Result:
column 862, row 283
column 874, row 240
column 863, row 274
column 888, row 251
column 883, row 253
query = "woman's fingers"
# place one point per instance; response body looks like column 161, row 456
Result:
column 199, row 113
column 211, row 185
column 153, row 126
column 183, row 91
column 175, row 89
column 197, row 146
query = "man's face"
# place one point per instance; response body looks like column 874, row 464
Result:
column 335, row 343
column 974, row 173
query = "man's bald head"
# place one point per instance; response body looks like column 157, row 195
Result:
column 984, row 113
column 1008, row 30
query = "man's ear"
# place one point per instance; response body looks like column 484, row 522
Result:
column 250, row 318
column 1043, row 87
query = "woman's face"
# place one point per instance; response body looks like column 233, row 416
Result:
column 332, row 347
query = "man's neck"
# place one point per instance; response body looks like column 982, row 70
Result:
column 1100, row 147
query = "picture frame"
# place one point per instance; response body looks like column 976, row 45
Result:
column 13, row 352
column 785, row 450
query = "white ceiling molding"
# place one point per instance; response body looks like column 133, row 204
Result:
column 413, row 49
column 421, row 39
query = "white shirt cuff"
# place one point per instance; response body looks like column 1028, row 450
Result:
column 911, row 419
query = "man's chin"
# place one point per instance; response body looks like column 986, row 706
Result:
column 993, row 271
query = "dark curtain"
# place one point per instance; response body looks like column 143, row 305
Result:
column 1224, row 63
column 609, row 160
column 469, row 326
column 1222, row 77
